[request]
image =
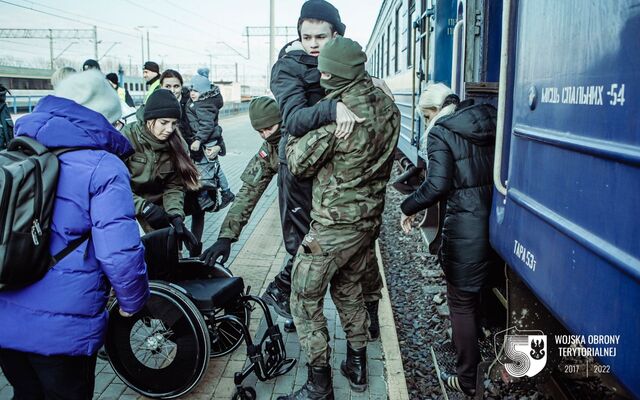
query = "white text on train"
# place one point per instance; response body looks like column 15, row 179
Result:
column 525, row 255
column 584, row 95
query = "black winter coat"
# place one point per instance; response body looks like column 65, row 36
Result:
column 460, row 149
column 295, row 83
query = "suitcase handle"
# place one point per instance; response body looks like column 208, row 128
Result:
column 27, row 145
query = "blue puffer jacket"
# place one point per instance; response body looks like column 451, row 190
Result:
column 64, row 313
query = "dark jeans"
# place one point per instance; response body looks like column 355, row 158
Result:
column 464, row 310
column 294, row 197
column 37, row 377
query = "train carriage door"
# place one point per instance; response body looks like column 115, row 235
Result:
column 445, row 21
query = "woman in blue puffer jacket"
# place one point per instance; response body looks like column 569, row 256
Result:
column 51, row 330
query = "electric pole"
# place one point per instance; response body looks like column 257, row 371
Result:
column 95, row 42
column 272, row 33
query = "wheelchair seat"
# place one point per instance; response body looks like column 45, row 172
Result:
column 212, row 293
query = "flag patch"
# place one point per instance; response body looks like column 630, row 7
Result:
column 263, row 154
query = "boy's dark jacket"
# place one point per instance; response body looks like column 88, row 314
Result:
column 203, row 120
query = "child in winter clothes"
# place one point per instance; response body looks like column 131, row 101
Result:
column 207, row 143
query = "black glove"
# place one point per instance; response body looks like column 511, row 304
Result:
column 155, row 216
column 185, row 235
column 222, row 247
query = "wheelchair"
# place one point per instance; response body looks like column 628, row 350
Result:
column 194, row 313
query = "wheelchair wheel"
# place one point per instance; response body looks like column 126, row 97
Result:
column 245, row 393
column 163, row 350
column 226, row 335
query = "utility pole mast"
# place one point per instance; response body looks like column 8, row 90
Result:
column 51, row 48
column 272, row 33
column 95, row 42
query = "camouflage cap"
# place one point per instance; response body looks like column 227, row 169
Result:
column 264, row 112
column 342, row 57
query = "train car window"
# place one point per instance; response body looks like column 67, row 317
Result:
column 397, row 41
column 388, row 55
column 381, row 55
column 382, row 58
column 410, row 10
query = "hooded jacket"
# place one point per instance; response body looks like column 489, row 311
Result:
column 295, row 83
column 64, row 312
column 154, row 178
column 460, row 150
column 203, row 120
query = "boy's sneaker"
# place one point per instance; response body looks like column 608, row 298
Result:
column 226, row 198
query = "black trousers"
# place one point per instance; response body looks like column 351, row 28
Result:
column 37, row 377
column 464, row 311
column 294, row 197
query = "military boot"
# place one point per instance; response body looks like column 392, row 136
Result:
column 374, row 328
column 318, row 387
column 278, row 299
column 354, row 368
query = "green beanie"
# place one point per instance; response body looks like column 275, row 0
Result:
column 264, row 112
column 342, row 57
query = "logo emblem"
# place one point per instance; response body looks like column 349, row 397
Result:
column 295, row 210
column 527, row 353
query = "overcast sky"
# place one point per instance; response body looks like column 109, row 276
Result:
column 187, row 30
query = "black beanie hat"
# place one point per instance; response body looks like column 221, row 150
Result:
column 152, row 66
column 323, row 11
column 162, row 104
column 113, row 78
column 90, row 64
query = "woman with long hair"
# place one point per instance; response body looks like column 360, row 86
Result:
column 460, row 145
column 161, row 170
column 172, row 80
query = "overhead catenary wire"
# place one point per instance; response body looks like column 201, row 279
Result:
column 200, row 53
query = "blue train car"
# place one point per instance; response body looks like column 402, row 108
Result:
column 565, row 217
column 565, row 77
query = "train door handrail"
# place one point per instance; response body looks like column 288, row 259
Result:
column 502, row 96
column 455, row 55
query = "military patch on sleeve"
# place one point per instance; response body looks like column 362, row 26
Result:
column 263, row 154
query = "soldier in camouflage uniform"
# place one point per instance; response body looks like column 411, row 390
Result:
column 265, row 118
column 350, row 178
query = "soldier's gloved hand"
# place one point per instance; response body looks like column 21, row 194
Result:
column 221, row 248
column 155, row 216
column 184, row 234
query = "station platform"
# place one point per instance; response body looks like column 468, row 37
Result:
column 257, row 257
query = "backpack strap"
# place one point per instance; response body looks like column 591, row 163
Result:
column 71, row 247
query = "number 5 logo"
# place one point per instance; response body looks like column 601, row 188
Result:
column 528, row 354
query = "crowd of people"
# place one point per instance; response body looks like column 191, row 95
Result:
column 330, row 136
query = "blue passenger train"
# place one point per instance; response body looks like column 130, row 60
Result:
column 565, row 78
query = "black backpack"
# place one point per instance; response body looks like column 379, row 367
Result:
column 28, row 183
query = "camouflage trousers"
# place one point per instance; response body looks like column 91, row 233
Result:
column 335, row 258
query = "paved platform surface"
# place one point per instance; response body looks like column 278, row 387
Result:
column 257, row 257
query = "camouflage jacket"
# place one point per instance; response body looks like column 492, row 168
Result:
column 255, row 179
column 350, row 174
column 153, row 176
